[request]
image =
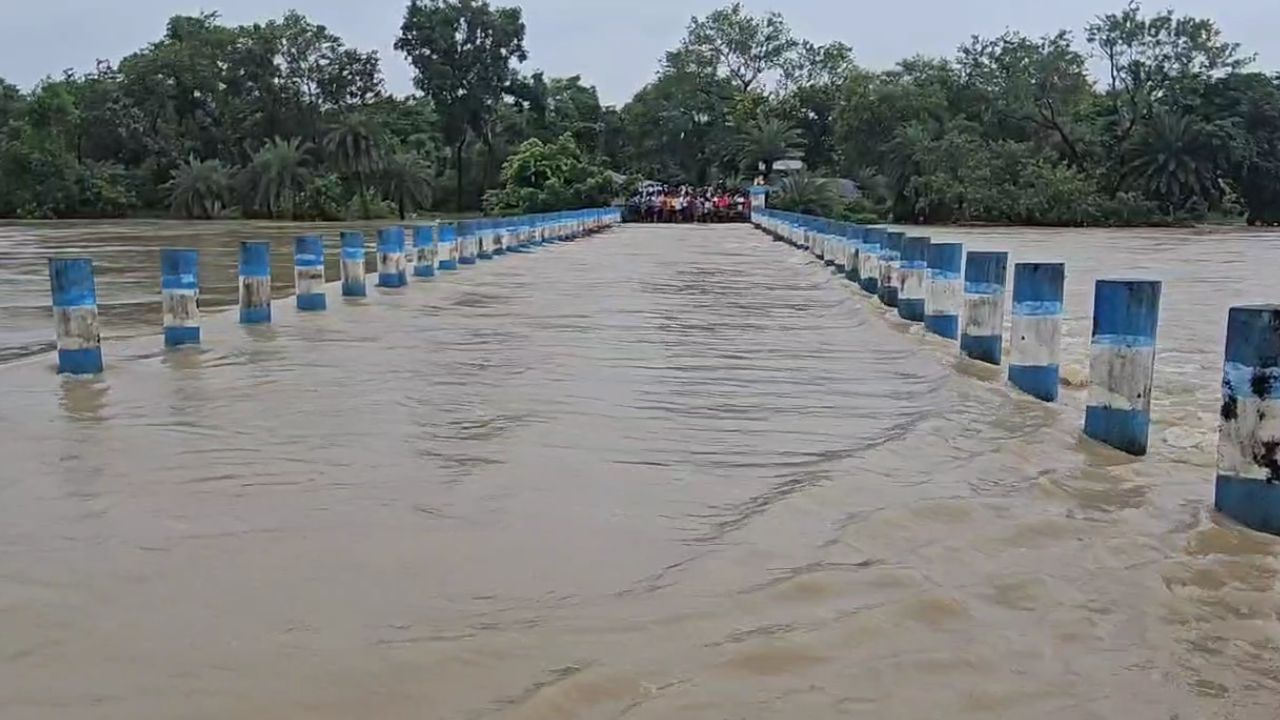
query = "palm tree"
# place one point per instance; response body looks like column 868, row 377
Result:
column 279, row 173
column 406, row 181
column 1178, row 160
column 198, row 189
column 354, row 146
column 766, row 141
column 803, row 193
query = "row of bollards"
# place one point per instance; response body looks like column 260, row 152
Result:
column 959, row 295
column 444, row 246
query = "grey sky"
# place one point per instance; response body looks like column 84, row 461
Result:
column 613, row 44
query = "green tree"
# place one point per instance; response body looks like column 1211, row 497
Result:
column 199, row 189
column 732, row 41
column 804, row 193
column 766, row 141
column 1179, row 160
column 278, row 174
column 354, row 146
column 406, row 180
column 462, row 53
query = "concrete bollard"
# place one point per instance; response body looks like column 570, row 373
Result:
column 308, row 272
column 890, row 259
column 467, row 242
column 1036, row 335
column 424, row 240
column 179, row 296
column 914, row 273
column 447, row 246
column 351, row 267
column 499, row 240
column 75, row 316
column 869, row 266
column 410, row 253
column 985, row 274
column 944, row 293
column 852, row 271
column 393, row 272
column 1248, row 482
column 484, row 240
column 255, row 282
column 1122, row 359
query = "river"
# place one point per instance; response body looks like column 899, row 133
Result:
column 660, row 473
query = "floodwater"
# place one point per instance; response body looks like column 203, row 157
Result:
column 660, row 473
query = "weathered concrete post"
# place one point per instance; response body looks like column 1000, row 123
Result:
column 308, row 272
column 985, row 275
column 890, row 259
column 853, row 272
column 1122, row 360
column 393, row 272
column 447, row 246
column 1248, row 484
column 179, row 296
column 484, row 240
column 914, row 271
column 255, row 282
column 410, row 253
column 75, row 316
column 352, row 266
column 1036, row 334
column 945, row 291
column 467, row 242
column 424, row 239
column 869, row 267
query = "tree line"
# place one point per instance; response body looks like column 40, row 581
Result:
column 282, row 119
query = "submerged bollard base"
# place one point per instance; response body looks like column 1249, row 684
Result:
column 356, row 290
column 1250, row 502
column 870, row 285
column 179, row 336
column 312, row 302
column 422, row 271
column 983, row 348
column 1038, row 381
column 947, row 326
column 911, row 309
column 888, row 295
column 84, row 361
column 255, row 316
column 1124, row 430
column 448, row 264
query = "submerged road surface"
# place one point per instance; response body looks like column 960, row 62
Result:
column 661, row 473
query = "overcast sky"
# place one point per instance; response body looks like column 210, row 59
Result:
column 613, row 44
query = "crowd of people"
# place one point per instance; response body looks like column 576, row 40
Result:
column 655, row 203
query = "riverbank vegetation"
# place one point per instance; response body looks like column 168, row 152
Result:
column 281, row 119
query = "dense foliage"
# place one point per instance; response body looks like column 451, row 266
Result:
column 281, row 119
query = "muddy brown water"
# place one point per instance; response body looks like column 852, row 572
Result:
column 663, row 472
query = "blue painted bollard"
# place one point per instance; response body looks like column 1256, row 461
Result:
column 1122, row 360
column 944, row 293
column 890, row 260
column 410, row 253
column 1036, row 332
column 179, row 296
column 853, row 272
column 467, row 243
column 985, row 274
column 501, row 241
column 424, row 240
column 352, row 266
column 447, row 246
column 914, row 271
column 308, row 272
column 255, row 282
column 869, row 257
column 393, row 272
column 75, row 316
column 1248, row 484
column 484, row 240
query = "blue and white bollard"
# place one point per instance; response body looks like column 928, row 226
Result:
column 985, row 275
column 913, row 270
column 179, row 296
column 75, row 316
column 1248, row 483
column 425, row 241
column 498, row 236
column 944, row 291
column 255, row 282
column 308, row 272
column 352, row 266
column 393, row 272
column 1036, row 333
column 447, row 246
column 853, row 263
column 467, row 243
column 484, row 240
column 1122, row 360
column 890, row 260
column 869, row 266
